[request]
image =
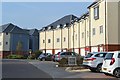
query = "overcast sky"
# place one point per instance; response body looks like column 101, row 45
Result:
column 39, row 14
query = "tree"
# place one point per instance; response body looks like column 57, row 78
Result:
column 19, row 47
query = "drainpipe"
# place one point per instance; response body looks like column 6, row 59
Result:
column 105, row 30
column 85, row 35
column 45, row 41
column 73, row 37
column 89, row 30
column 61, row 40
column 79, row 36
column 68, row 38
column 53, row 43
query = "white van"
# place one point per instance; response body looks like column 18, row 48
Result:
column 111, row 64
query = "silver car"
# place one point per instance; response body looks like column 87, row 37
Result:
column 94, row 61
column 61, row 55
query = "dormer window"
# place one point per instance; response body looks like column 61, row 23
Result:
column 64, row 25
column 58, row 26
column 43, row 29
column 49, row 27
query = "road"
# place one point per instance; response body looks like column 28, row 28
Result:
column 21, row 69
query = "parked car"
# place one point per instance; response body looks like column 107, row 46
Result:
column 111, row 64
column 94, row 61
column 61, row 55
column 45, row 57
column 53, row 57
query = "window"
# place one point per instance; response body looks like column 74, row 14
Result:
column 82, row 34
column 6, row 43
column 58, row 40
column 96, row 12
column 109, row 56
column 58, row 26
column 0, row 34
column 6, row 33
column 49, row 40
column 101, row 29
column 64, row 39
column 0, row 43
column 43, row 41
column 100, row 55
column 93, row 31
column 119, row 55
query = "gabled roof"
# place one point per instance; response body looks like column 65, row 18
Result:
column 11, row 28
column 93, row 3
column 33, row 32
column 64, row 20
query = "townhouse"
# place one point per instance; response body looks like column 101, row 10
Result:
column 33, row 39
column 13, row 40
column 55, row 37
column 97, row 30
column 104, row 25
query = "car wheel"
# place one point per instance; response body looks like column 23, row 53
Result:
column 92, row 70
column 99, row 68
column 117, row 73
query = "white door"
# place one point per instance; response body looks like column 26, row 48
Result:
column 49, row 51
column 94, row 49
column 56, row 51
column 82, row 52
column 101, row 49
column 77, row 50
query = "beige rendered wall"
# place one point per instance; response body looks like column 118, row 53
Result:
column 112, row 22
column 49, row 35
column 41, row 38
column 71, row 36
column 76, row 35
column 57, row 34
column 87, row 31
column 1, row 41
column 98, row 38
column 65, row 35
column 6, row 38
column 82, row 30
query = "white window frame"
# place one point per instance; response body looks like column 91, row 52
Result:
column 94, row 31
column 101, row 29
column 58, row 39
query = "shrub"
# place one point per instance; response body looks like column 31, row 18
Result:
column 80, row 60
column 15, row 56
column 32, row 56
column 63, row 62
column 37, row 53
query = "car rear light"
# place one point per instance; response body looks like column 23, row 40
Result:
column 58, row 55
column 91, row 59
column 112, row 61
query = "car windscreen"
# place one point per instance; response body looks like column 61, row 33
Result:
column 109, row 56
column 88, row 55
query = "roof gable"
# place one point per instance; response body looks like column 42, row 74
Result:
column 11, row 28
